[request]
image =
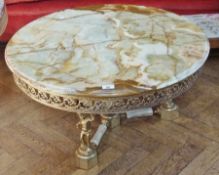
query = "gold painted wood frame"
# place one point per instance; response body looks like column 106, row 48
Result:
column 109, row 109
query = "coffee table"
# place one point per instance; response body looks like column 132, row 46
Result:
column 107, row 61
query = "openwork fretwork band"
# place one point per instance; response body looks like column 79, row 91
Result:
column 84, row 104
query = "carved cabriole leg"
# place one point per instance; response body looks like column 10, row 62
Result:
column 86, row 156
column 169, row 110
column 112, row 120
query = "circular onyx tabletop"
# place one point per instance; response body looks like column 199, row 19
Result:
column 108, row 50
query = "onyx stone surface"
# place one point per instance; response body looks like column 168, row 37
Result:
column 126, row 49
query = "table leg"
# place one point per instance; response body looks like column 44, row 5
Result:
column 112, row 120
column 169, row 110
column 86, row 156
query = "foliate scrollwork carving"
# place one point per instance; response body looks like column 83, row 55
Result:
column 71, row 102
column 45, row 96
column 57, row 99
column 85, row 104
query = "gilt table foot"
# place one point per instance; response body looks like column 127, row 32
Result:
column 112, row 120
column 169, row 110
column 86, row 156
